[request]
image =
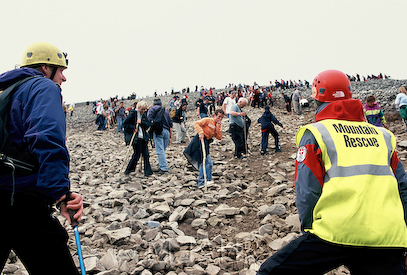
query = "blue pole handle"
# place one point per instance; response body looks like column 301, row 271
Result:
column 78, row 245
column 75, row 224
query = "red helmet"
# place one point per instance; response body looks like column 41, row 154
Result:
column 331, row 85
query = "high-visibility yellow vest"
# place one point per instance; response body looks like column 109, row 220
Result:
column 360, row 203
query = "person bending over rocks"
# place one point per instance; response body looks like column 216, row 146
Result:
column 207, row 129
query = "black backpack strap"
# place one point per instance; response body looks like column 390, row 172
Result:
column 23, row 162
column 161, row 113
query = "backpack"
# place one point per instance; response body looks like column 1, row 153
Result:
column 12, row 156
column 157, row 126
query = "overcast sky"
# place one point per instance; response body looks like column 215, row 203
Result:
column 121, row 47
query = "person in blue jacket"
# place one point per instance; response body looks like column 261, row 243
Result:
column 37, row 128
column 267, row 126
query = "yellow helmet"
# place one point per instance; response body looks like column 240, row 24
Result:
column 43, row 53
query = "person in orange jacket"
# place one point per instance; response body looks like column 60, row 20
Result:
column 207, row 129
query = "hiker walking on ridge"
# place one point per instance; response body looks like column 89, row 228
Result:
column 34, row 175
column 351, row 191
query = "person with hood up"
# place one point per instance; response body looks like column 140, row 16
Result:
column 351, row 191
column 267, row 127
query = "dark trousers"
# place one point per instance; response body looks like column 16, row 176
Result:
column 256, row 102
column 211, row 108
column 140, row 148
column 263, row 102
column 37, row 237
column 288, row 107
column 101, row 122
column 310, row 255
column 239, row 140
column 265, row 138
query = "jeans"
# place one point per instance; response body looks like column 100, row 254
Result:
column 208, row 169
column 161, row 143
column 202, row 115
column 119, row 121
column 101, row 122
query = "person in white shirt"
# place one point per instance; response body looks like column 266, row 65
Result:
column 229, row 102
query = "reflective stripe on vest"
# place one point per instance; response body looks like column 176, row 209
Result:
column 340, row 171
column 360, row 203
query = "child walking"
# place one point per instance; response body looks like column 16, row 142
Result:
column 374, row 115
column 267, row 126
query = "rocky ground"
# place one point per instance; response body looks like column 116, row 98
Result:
column 246, row 216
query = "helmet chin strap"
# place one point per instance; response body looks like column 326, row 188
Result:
column 54, row 71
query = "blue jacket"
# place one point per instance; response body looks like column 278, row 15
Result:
column 266, row 120
column 153, row 112
column 38, row 120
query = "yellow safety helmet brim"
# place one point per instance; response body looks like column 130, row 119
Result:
column 43, row 53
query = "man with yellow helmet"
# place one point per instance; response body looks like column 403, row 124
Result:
column 34, row 164
column 351, row 191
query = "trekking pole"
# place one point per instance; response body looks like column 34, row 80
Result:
column 74, row 224
column 141, row 163
column 188, row 136
column 245, row 134
column 204, row 163
column 128, row 150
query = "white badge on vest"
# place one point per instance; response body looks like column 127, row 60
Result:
column 301, row 154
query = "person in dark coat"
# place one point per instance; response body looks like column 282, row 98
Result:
column 137, row 124
column 267, row 126
column 287, row 102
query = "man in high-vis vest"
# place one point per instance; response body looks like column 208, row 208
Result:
column 351, row 191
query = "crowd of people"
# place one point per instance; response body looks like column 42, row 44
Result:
column 231, row 103
column 350, row 185
column 348, row 150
